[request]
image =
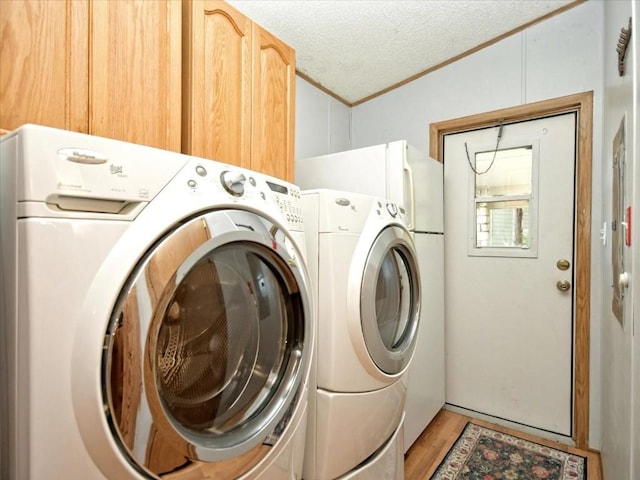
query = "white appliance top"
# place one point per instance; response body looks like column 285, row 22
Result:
column 69, row 174
column 60, row 162
column 395, row 171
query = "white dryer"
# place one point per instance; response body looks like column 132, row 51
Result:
column 365, row 277
column 156, row 314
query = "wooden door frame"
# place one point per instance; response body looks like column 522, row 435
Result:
column 582, row 104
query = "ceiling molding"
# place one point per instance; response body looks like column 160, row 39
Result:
column 358, row 50
column 468, row 52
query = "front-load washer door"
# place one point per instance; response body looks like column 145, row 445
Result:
column 206, row 353
column 390, row 300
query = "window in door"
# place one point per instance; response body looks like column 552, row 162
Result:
column 503, row 208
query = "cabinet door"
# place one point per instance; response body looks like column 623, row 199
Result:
column 217, row 117
column 272, row 129
column 44, row 59
column 135, row 71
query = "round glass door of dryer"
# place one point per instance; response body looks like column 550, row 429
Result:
column 390, row 300
column 207, row 348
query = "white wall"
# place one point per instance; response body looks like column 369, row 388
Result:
column 619, row 415
column 323, row 124
column 558, row 57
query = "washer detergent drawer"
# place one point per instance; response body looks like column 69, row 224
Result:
column 352, row 426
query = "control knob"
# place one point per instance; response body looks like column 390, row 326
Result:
column 392, row 209
column 233, row 182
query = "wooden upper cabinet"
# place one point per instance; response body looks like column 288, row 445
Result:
column 135, row 71
column 272, row 135
column 44, row 64
column 238, row 90
column 109, row 68
column 217, row 76
column 195, row 76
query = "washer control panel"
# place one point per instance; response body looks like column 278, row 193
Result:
column 287, row 198
column 233, row 182
column 247, row 185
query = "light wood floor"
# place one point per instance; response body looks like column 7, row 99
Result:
column 427, row 452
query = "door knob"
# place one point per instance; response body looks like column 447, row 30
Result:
column 563, row 285
column 563, row 264
column 623, row 280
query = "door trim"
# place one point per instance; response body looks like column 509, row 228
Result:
column 582, row 104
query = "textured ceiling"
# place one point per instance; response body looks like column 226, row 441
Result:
column 357, row 48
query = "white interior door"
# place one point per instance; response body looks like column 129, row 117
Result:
column 509, row 230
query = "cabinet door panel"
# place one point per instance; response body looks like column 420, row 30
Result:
column 135, row 71
column 44, row 58
column 217, row 119
column 273, row 105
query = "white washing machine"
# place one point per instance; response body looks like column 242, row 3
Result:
column 156, row 314
column 365, row 276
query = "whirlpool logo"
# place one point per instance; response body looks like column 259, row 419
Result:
column 82, row 155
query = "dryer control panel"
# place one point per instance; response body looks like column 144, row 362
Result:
column 386, row 209
column 340, row 211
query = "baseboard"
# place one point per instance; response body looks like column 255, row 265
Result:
column 513, row 425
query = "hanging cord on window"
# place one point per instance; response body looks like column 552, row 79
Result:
column 495, row 151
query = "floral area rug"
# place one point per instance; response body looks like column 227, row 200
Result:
column 484, row 454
